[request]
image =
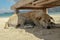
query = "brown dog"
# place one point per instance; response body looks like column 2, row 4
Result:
column 38, row 17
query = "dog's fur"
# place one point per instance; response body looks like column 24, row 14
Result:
column 38, row 17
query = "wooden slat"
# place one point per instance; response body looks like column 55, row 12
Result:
column 46, row 2
column 21, row 3
column 39, row 4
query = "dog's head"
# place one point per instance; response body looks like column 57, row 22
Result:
column 44, row 20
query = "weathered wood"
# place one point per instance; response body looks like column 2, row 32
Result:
column 38, row 4
column 21, row 3
column 46, row 2
column 41, row 7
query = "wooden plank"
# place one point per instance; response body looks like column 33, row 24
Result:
column 30, row 7
column 39, row 5
column 45, row 6
column 46, row 2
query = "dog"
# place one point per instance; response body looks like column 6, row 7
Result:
column 37, row 17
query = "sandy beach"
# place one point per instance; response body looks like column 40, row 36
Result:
column 29, row 34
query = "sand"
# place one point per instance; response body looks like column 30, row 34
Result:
column 29, row 34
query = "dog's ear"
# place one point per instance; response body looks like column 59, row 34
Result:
column 52, row 19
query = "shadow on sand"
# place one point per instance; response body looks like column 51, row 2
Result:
column 46, row 34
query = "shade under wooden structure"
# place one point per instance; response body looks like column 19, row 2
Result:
column 35, row 4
